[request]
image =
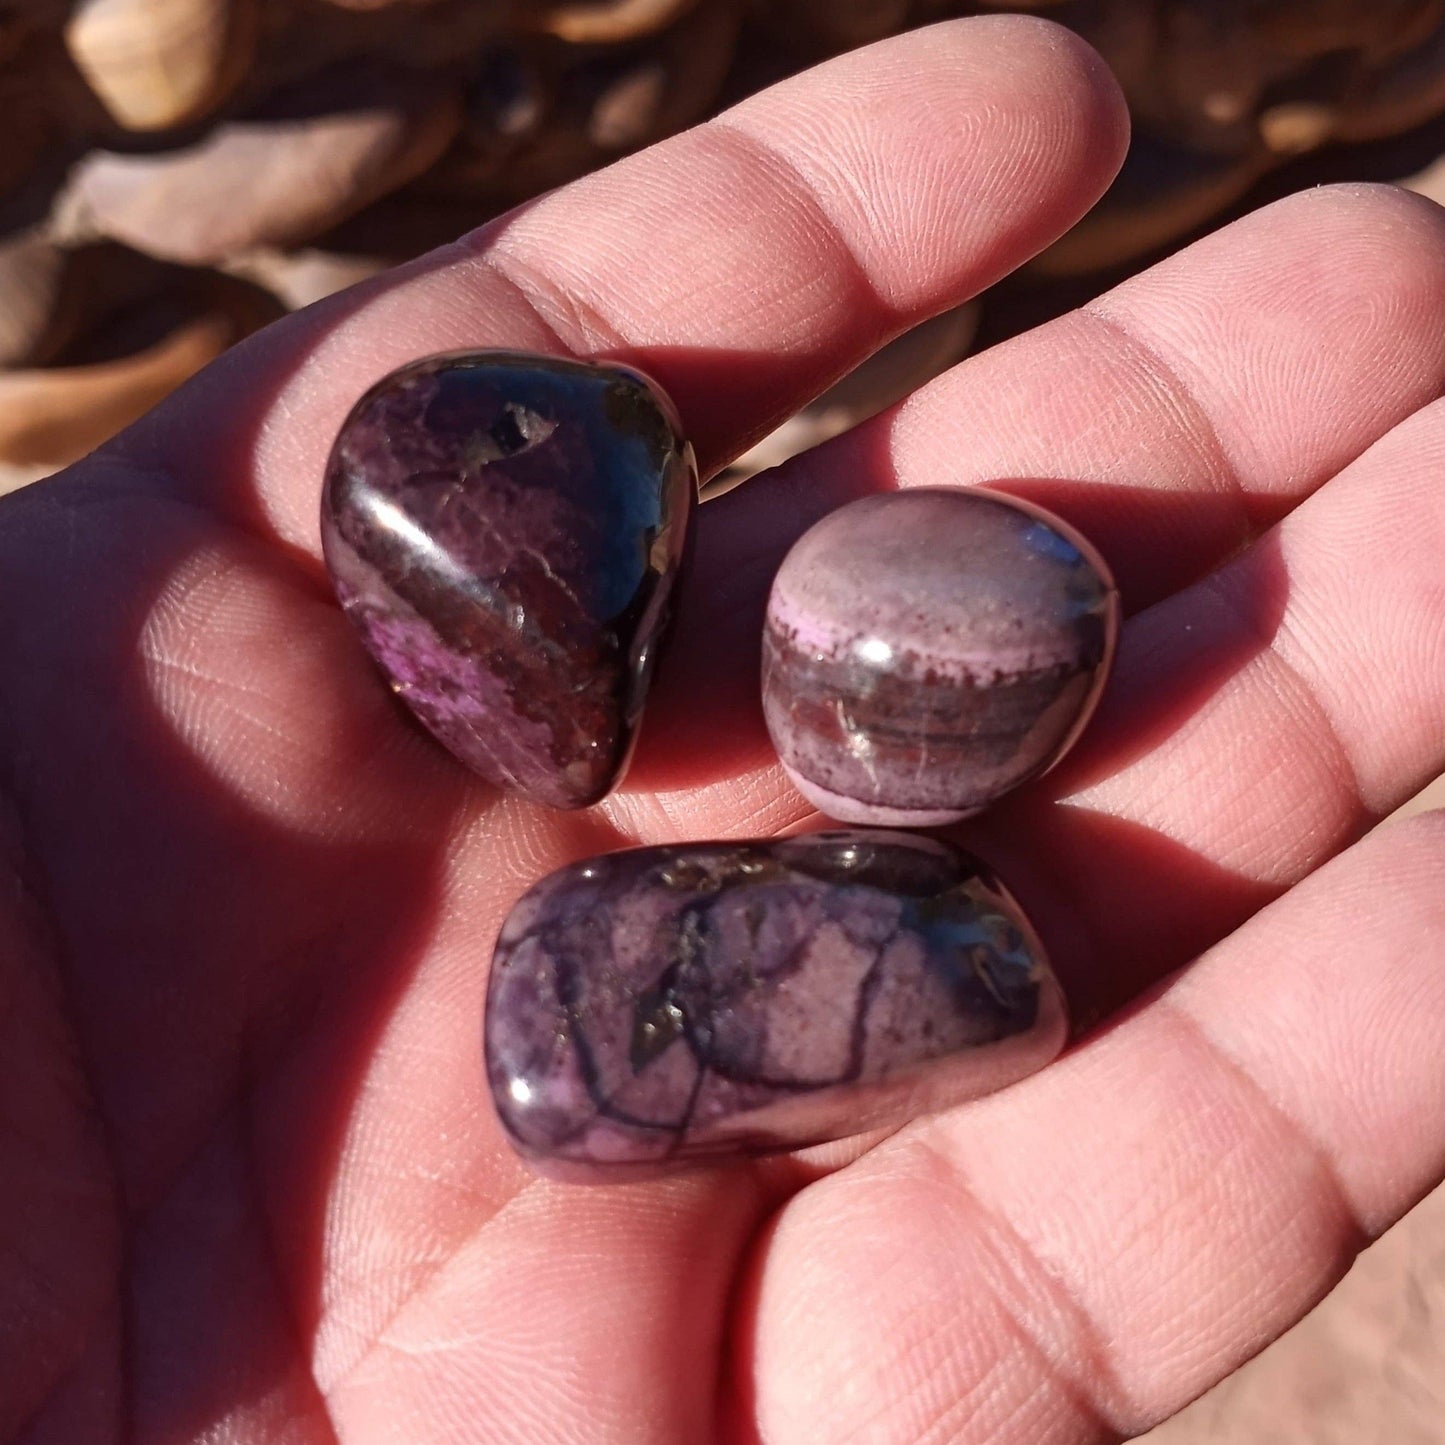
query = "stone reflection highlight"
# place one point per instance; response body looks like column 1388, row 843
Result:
column 927, row 650
column 506, row 531
column 665, row 1005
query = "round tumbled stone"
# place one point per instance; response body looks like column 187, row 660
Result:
column 928, row 650
column 505, row 531
column 667, row 1005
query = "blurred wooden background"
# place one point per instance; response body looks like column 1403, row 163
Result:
column 176, row 173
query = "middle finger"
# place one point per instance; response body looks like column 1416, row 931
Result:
column 1259, row 719
column 1171, row 421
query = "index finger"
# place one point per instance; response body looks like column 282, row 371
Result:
column 744, row 264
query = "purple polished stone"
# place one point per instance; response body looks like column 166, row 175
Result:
column 505, row 531
column 672, row 1004
column 927, row 650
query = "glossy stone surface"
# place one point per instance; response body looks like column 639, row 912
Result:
column 506, row 531
column 928, row 650
column 663, row 1005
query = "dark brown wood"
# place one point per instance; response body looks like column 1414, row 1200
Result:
column 138, row 128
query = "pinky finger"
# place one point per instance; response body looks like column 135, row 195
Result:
column 1079, row 1257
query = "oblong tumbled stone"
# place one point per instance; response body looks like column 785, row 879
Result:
column 927, row 650
column 506, row 530
column 665, row 1005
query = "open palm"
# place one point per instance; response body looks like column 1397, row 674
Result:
column 250, row 1186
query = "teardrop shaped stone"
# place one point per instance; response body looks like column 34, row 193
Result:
column 506, row 531
column 928, row 650
column 664, row 1005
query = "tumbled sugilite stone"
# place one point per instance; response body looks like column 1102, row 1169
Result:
column 672, row 1004
column 505, row 530
column 927, row 650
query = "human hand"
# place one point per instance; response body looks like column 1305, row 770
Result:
column 252, row 1187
